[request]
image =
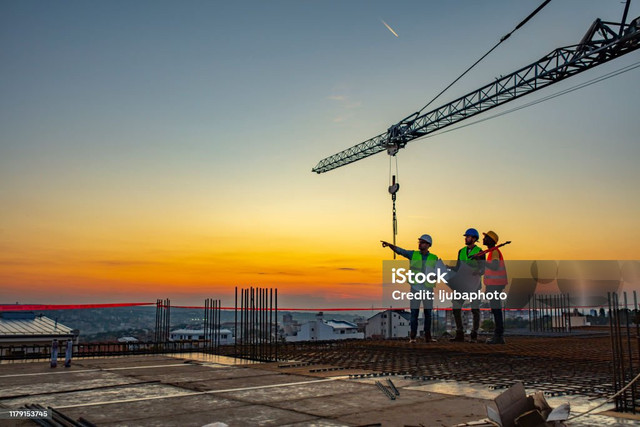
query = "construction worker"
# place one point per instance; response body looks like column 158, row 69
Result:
column 68, row 354
column 420, row 261
column 495, row 279
column 466, row 255
column 54, row 353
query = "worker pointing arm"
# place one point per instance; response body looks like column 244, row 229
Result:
column 402, row 252
column 419, row 262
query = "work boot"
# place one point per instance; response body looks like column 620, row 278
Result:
column 474, row 336
column 496, row 339
column 428, row 338
column 412, row 338
column 459, row 337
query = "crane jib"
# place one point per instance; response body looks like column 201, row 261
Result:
column 615, row 40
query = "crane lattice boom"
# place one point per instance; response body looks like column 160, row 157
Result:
column 599, row 45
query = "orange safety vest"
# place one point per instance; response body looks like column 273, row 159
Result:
column 496, row 277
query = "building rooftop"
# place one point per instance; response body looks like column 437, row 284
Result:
column 197, row 331
column 404, row 314
column 340, row 324
column 30, row 325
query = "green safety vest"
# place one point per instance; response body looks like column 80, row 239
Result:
column 462, row 256
column 416, row 264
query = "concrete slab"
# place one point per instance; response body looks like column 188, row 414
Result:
column 214, row 358
column 297, row 392
column 367, row 400
column 195, row 373
column 246, row 381
column 250, row 415
column 29, row 386
column 98, row 395
column 454, row 388
column 438, row 410
column 319, row 422
column 138, row 411
column 106, row 392
column 115, row 361
column 312, row 370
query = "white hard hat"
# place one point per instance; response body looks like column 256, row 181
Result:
column 426, row 238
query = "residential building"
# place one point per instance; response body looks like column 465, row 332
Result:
column 24, row 332
column 226, row 336
column 326, row 330
column 388, row 324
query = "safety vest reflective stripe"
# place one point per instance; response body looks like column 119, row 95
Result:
column 497, row 277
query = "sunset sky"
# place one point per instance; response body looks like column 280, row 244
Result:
column 156, row 149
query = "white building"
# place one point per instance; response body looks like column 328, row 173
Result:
column 226, row 336
column 289, row 326
column 23, row 332
column 27, row 328
column 389, row 324
column 325, row 330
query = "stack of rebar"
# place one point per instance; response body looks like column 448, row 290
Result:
column 558, row 366
column 550, row 313
column 256, row 324
column 625, row 347
column 212, row 321
column 163, row 320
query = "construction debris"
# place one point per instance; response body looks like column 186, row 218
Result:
column 516, row 409
column 386, row 390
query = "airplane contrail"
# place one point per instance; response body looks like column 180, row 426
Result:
column 389, row 28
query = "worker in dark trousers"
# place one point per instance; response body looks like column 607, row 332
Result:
column 421, row 261
column 467, row 255
column 54, row 353
column 68, row 353
column 495, row 279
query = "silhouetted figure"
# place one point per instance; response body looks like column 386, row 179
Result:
column 67, row 356
column 54, row 353
column 495, row 280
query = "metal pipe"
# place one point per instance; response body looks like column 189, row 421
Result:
column 631, row 371
column 276, row 326
column 613, row 350
column 270, row 324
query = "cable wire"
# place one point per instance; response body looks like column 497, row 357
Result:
column 505, row 37
column 546, row 98
column 608, row 400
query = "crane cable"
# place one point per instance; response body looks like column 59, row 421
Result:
column 505, row 37
column 394, row 186
column 543, row 99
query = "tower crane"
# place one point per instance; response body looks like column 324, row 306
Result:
column 603, row 42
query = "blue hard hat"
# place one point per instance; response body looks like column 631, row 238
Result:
column 472, row 232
